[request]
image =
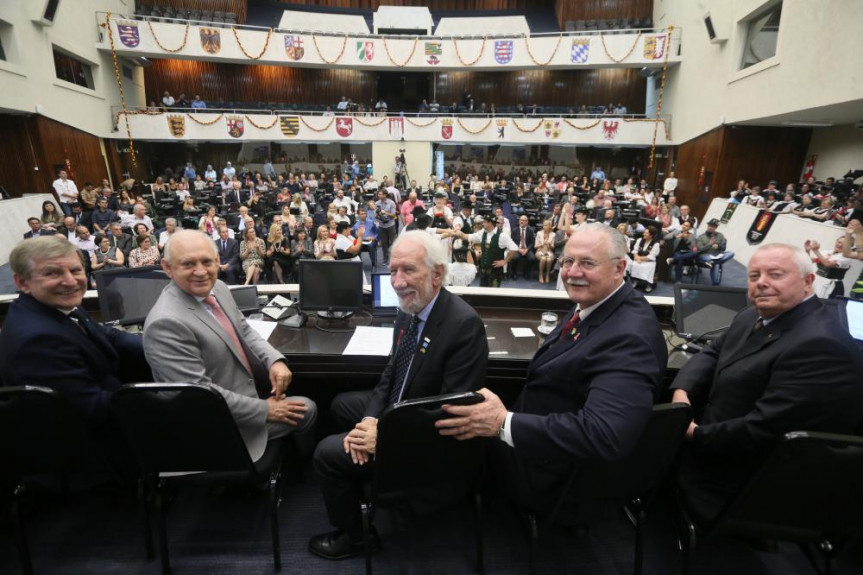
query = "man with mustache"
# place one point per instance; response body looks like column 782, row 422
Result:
column 590, row 386
column 783, row 365
column 439, row 346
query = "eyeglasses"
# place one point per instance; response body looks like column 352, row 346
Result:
column 583, row 265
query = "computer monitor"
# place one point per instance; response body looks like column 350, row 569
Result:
column 702, row 312
column 333, row 289
column 246, row 298
column 854, row 315
column 126, row 295
column 384, row 298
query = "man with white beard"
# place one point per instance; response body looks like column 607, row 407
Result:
column 439, row 346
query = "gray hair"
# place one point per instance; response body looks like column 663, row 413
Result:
column 804, row 264
column 27, row 252
column 183, row 234
column 616, row 240
column 171, row 221
column 435, row 254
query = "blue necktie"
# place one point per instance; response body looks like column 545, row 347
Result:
column 404, row 355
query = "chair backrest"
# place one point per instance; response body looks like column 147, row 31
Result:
column 638, row 473
column 176, row 427
column 807, row 490
column 412, row 453
column 41, row 432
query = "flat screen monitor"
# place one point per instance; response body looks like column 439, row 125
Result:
column 127, row 295
column 246, row 298
column 384, row 298
column 332, row 288
column 701, row 312
column 854, row 313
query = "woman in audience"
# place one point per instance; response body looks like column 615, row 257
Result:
column 253, row 250
column 283, row 197
column 189, row 206
column 312, row 182
column 824, row 212
column 172, row 185
column 544, row 244
column 302, row 247
column 332, row 228
column 146, row 254
column 289, row 221
column 670, row 224
column 298, row 203
column 106, row 256
column 207, row 223
column 51, row 216
column 158, row 186
column 127, row 202
column 323, row 246
column 279, row 253
column 644, row 255
column 199, row 183
column 806, row 207
column 653, row 209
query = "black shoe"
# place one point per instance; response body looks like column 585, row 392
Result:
column 337, row 545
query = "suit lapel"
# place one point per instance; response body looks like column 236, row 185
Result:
column 427, row 338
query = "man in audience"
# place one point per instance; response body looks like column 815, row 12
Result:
column 685, row 216
column 102, row 216
column 782, row 366
column 85, row 241
column 229, row 171
column 669, row 186
column 711, row 250
column 590, row 386
column 524, row 256
column 439, row 346
column 69, row 229
column 682, row 250
column 370, row 237
column 67, row 191
column 138, row 216
column 123, row 242
column 407, row 208
column 36, row 229
column 196, row 334
column 198, row 103
column 341, row 201
column 81, row 217
column 165, row 235
column 229, row 256
column 49, row 340
column 385, row 220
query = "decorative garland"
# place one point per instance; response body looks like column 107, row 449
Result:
column 337, row 58
column 243, row 49
column 460, row 59
column 369, row 124
column 550, row 58
column 408, row 59
column 661, row 91
column 412, row 123
column 107, row 26
column 469, row 131
column 162, row 46
column 312, row 128
column 582, row 128
column 613, row 59
column 530, row 131
column 203, row 122
column 273, row 123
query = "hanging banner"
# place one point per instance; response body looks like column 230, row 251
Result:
column 729, row 211
column 759, row 228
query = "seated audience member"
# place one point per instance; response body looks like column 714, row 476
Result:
column 302, row 246
column 51, row 216
column 453, row 358
column 138, row 216
column 754, row 198
column 106, row 256
column 81, row 217
column 279, row 253
column 644, row 254
column 590, row 386
column 782, row 366
column 683, row 250
column 167, row 100
column 347, row 247
column 198, row 103
column 184, row 339
column 324, row 244
column 165, row 235
column 229, row 256
column 830, row 268
column 49, row 340
column 102, row 216
column 670, row 224
column 85, row 241
column 122, row 241
column 711, row 250
column 824, row 212
column 805, row 208
column 524, row 257
column 37, row 229
column 146, row 254
column 253, row 250
column 544, row 245
column 341, row 215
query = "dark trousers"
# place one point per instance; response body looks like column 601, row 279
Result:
column 229, row 276
column 387, row 237
column 680, row 258
column 523, row 263
column 342, row 479
column 371, row 248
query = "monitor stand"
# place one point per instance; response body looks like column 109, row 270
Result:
column 335, row 314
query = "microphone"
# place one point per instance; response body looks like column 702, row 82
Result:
column 689, row 345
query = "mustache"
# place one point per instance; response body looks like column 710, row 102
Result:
column 576, row 282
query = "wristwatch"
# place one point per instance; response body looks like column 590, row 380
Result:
column 500, row 432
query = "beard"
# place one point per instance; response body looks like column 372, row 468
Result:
column 413, row 301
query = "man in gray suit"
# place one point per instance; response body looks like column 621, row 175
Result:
column 196, row 334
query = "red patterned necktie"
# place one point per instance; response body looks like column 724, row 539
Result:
column 569, row 328
column 226, row 324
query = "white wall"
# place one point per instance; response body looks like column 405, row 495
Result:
column 817, row 62
column 13, row 220
column 316, row 21
column 839, row 149
column 29, row 79
column 417, row 154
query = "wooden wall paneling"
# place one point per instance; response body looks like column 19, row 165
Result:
column 19, row 155
column 569, row 88
column 601, row 10
column 242, row 83
column 705, row 150
column 59, row 142
column 238, row 7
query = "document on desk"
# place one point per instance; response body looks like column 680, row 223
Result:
column 522, row 332
column 370, row 341
column 264, row 328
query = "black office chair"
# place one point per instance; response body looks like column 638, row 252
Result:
column 807, row 492
column 631, row 482
column 41, row 433
column 411, row 454
column 181, row 427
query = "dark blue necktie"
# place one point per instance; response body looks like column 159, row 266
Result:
column 404, row 355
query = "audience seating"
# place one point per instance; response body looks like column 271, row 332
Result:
column 412, row 454
column 195, row 442
column 632, row 481
column 804, row 493
column 41, row 433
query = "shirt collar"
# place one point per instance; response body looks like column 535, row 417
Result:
column 765, row 321
column 584, row 312
column 426, row 311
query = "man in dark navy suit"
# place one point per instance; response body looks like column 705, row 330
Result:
column 229, row 256
column 36, row 229
column 783, row 365
column 49, row 340
column 590, row 386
